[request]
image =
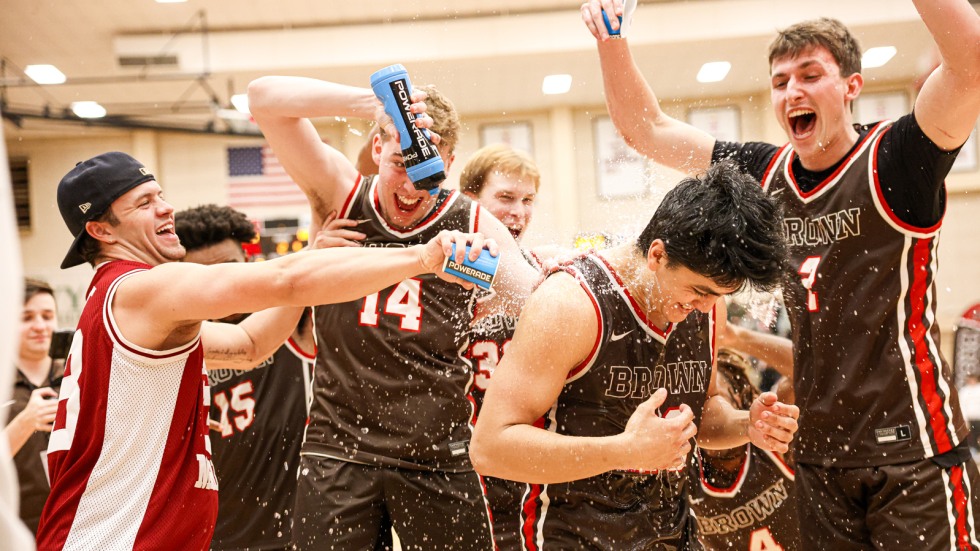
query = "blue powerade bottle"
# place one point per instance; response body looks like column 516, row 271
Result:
column 422, row 161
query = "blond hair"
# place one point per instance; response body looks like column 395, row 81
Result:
column 497, row 159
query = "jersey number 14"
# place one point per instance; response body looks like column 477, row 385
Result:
column 405, row 300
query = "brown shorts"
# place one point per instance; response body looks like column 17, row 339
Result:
column 610, row 511
column 920, row 505
column 342, row 505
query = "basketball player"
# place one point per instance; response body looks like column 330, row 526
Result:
column 390, row 421
column 505, row 182
column 129, row 457
column 260, row 413
column 609, row 375
column 881, row 456
column 744, row 498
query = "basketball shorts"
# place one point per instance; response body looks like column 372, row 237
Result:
column 349, row 506
column 922, row 505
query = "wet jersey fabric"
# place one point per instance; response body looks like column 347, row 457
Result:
column 756, row 511
column 629, row 361
column 129, row 456
column 262, row 414
column 871, row 383
column 491, row 336
column 391, row 386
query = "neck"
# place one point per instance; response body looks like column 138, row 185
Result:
column 640, row 281
column 829, row 155
column 35, row 369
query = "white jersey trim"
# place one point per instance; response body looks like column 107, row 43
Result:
column 129, row 348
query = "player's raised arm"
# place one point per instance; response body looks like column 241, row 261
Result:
column 635, row 110
column 949, row 102
column 283, row 107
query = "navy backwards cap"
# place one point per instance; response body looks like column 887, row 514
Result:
column 89, row 189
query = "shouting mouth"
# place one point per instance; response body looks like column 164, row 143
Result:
column 802, row 122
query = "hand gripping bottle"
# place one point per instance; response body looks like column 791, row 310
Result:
column 422, row 160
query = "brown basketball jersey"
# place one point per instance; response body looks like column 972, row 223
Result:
column 871, row 384
column 630, row 359
column 757, row 511
column 391, row 385
column 262, row 415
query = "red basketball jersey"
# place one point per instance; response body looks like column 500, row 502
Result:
column 129, row 456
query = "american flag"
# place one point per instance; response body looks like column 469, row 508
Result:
column 256, row 179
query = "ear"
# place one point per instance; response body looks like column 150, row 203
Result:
column 855, row 83
column 100, row 231
column 376, row 144
column 656, row 255
column 448, row 162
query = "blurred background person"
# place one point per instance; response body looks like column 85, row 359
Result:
column 504, row 181
column 35, row 394
column 257, row 415
column 745, row 497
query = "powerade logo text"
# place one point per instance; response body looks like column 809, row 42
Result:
column 472, row 272
column 420, row 145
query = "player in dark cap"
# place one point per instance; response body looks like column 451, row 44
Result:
column 129, row 456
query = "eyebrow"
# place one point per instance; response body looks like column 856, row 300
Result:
column 804, row 65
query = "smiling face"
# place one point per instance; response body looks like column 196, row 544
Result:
column 676, row 290
column 402, row 205
column 145, row 231
column 510, row 199
column 38, row 322
column 812, row 103
column 681, row 291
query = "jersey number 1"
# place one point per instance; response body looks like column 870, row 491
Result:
column 808, row 270
column 405, row 300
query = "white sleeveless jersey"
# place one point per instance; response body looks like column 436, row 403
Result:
column 129, row 457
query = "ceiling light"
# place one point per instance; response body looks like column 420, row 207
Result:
column 556, row 84
column 240, row 101
column 45, row 74
column 88, row 109
column 876, row 57
column 714, row 71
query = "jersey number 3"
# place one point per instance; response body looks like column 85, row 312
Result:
column 405, row 300
column 808, row 271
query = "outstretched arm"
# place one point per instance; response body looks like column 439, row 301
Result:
column 155, row 304
column 556, row 332
column 949, row 102
column 635, row 110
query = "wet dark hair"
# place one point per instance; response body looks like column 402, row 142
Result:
column 208, row 225
column 34, row 286
column 721, row 225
